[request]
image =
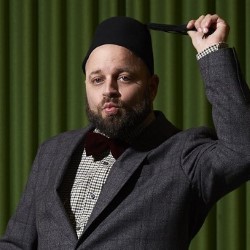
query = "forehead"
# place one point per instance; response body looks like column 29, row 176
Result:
column 110, row 55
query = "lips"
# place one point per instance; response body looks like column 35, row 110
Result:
column 110, row 108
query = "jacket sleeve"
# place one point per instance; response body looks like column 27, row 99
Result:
column 21, row 230
column 217, row 166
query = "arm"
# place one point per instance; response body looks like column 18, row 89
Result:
column 226, row 88
column 216, row 167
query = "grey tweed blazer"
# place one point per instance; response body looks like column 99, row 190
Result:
column 159, row 191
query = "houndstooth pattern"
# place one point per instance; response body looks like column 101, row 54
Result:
column 211, row 49
column 89, row 180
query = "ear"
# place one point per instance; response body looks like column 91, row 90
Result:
column 154, row 82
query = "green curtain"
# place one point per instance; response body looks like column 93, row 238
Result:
column 42, row 43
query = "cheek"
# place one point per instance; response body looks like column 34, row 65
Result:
column 93, row 99
column 132, row 96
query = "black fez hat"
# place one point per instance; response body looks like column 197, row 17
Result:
column 126, row 32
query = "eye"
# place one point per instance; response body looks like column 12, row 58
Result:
column 124, row 78
column 97, row 80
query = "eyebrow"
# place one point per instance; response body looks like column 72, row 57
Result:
column 124, row 69
column 117, row 70
column 95, row 72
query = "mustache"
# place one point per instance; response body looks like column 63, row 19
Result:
column 117, row 102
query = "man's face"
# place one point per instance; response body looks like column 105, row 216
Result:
column 119, row 88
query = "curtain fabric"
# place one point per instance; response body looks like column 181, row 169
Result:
column 42, row 44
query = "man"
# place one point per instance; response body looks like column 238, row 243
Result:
column 131, row 180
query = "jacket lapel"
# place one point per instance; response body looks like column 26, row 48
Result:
column 59, row 166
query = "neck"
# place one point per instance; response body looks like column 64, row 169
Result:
column 150, row 118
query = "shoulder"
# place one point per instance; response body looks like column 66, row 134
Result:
column 190, row 142
column 195, row 141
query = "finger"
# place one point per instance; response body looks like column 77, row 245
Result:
column 220, row 27
column 211, row 21
column 207, row 22
column 190, row 24
column 198, row 23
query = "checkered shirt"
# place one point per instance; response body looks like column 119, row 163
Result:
column 89, row 180
column 82, row 185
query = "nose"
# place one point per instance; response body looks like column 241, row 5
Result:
column 111, row 88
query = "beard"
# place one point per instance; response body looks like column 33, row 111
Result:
column 126, row 122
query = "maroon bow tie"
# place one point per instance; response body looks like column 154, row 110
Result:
column 96, row 144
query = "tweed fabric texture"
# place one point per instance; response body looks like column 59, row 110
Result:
column 159, row 192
